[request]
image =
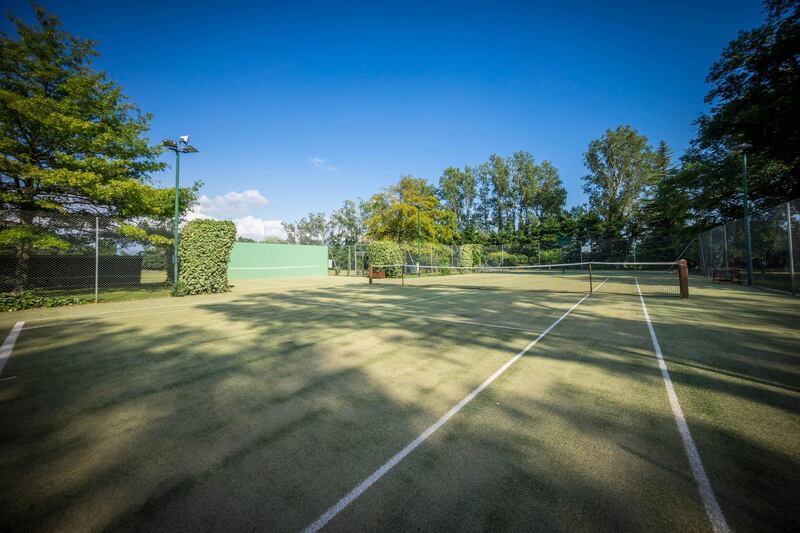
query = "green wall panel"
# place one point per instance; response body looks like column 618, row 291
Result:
column 255, row 260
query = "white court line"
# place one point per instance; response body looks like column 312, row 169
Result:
column 713, row 510
column 328, row 515
column 8, row 344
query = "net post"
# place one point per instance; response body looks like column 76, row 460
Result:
column 369, row 273
column 590, row 277
column 683, row 275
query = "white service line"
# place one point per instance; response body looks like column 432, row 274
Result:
column 328, row 515
column 8, row 344
column 713, row 510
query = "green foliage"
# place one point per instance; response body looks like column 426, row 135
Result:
column 392, row 214
column 622, row 166
column 70, row 140
column 470, row 255
column 27, row 300
column 506, row 259
column 385, row 253
column 203, row 255
column 549, row 257
column 155, row 259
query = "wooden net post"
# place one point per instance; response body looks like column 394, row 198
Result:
column 683, row 275
column 369, row 274
column 590, row 278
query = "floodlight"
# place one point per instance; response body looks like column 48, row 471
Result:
column 189, row 149
column 743, row 147
column 169, row 143
column 185, row 139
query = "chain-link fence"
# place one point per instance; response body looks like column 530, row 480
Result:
column 352, row 260
column 84, row 257
column 774, row 244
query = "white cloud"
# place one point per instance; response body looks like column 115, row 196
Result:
column 238, row 207
column 258, row 228
column 230, row 205
column 322, row 163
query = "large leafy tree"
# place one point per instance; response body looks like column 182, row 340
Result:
column 754, row 89
column 393, row 213
column 308, row 230
column 71, row 142
column 754, row 97
column 346, row 225
column 622, row 166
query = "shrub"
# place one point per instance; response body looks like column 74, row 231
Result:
column 27, row 300
column 385, row 253
column 203, row 255
column 470, row 255
column 550, row 257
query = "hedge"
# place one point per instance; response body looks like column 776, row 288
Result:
column 385, row 253
column 204, row 252
column 470, row 255
column 506, row 259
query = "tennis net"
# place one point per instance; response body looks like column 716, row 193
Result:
column 653, row 279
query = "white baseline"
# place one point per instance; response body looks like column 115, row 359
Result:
column 713, row 510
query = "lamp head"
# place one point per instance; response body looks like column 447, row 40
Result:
column 185, row 139
column 169, row 143
column 743, row 147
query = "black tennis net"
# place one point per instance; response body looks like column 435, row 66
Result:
column 652, row 279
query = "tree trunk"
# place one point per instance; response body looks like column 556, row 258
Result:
column 23, row 256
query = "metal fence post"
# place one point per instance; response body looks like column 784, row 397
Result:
column 791, row 248
column 96, row 259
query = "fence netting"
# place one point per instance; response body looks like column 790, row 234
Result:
column 51, row 254
column 774, row 244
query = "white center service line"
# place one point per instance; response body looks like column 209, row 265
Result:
column 8, row 345
column 713, row 510
column 351, row 496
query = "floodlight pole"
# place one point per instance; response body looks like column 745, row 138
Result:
column 177, row 219
column 179, row 147
column 748, row 247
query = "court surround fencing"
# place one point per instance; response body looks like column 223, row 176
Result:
column 774, row 241
column 51, row 254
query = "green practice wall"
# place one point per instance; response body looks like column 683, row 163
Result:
column 255, row 260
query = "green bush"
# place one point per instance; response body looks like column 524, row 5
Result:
column 550, row 257
column 470, row 255
column 203, row 255
column 385, row 253
column 26, row 300
column 506, row 259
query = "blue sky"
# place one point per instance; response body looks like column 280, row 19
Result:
column 313, row 103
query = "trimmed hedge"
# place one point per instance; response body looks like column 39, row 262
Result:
column 203, row 256
column 470, row 255
column 385, row 253
column 506, row 259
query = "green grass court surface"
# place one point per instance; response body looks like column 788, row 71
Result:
column 263, row 408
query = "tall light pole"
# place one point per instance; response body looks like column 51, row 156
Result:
column 180, row 147
column 742, row 149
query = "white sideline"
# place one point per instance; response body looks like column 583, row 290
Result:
column 273, row 268
column 8, row 344
column 328, row 515
column 713, row 510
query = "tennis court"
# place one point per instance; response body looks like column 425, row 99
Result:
column 335, row 404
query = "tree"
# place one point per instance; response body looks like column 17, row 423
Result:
column 457, row 192
column 499, row 179
column 71, row 142
column 550, row 196
column 393, row 213
column 622, row 165
column 346, row 225
column 311, row 230
column 755, row 88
